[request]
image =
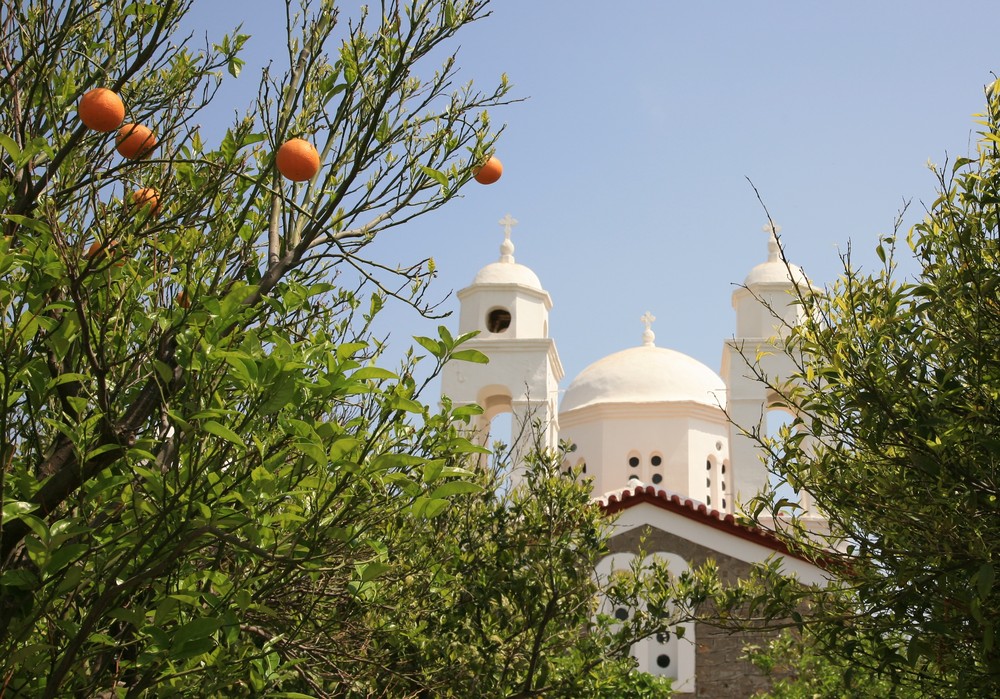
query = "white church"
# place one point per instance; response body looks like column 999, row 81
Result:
column 649, row 425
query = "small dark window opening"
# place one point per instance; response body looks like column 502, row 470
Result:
column 621, row 614
column 663, row 637
column 708, row 482
column 723, row 469
column 633, row 477
column 708, row 500
column 708, row 465
column 656, row 461
column 657, row 478
column 498, row 320
column 723, row 503
column 663, row 660
column 633, row 462
column 723, row 485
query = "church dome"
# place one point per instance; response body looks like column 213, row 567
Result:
column 507, row 273
column 776, row 270
column 646, row 374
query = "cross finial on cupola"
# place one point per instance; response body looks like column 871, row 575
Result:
column 648, row 337
column 773, row 250
column 507, row 247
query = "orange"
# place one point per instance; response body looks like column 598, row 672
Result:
column 183, row 301
column 297, row 159
column 101, row 109
column 98, row 250
column 489, row 172
column 147, row 198
column 135, row 141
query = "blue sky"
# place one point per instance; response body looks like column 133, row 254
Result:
column 627, row 165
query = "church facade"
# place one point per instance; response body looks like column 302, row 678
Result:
column 654, row 429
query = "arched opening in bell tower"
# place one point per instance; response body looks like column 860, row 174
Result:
column 778, row 417
column 496, row 431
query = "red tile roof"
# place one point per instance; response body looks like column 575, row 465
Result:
column 625, row 498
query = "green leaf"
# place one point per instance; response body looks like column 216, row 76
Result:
column 349, row 349
column 8, row 144
column 386, row 462
column 410, row 406
column 450, row 488
column 432, row 469
column 63, row 556
column 373, row 372
column 196, row 629
column 373, row 570
column 445, row 336
column 435, row 507
column 437, row 176
column 16, row 508
column 470, row 355
column 984, row 580
column 219, row 430
column 435, row 347
column 467, row 410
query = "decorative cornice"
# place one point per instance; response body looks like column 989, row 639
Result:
column 629, row 411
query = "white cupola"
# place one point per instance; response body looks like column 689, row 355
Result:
column 509, row 308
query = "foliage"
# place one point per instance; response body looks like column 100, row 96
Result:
column 500, row 598
column 186, row 478
column 210, row 485
column 897, row 440
column 799, row 671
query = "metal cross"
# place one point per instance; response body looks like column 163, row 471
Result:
column 647, row 319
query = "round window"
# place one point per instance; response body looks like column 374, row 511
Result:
column 663, row 660
column 656, row 461
column 657, row 478
column 498, row 320
column 633, row 461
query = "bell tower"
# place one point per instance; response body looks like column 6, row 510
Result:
column 767, row 307
column 509, row 308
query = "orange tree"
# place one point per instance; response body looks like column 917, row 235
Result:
column 897, row 439
column 210, row 487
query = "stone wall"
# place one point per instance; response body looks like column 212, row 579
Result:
column 720, row 671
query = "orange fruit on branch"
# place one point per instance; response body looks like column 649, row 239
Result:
column 183, row 301
column 101, row 109
column 297, row 159
column 489, row 172
column 147, row 198
column 135, row 141
column 98, row 251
